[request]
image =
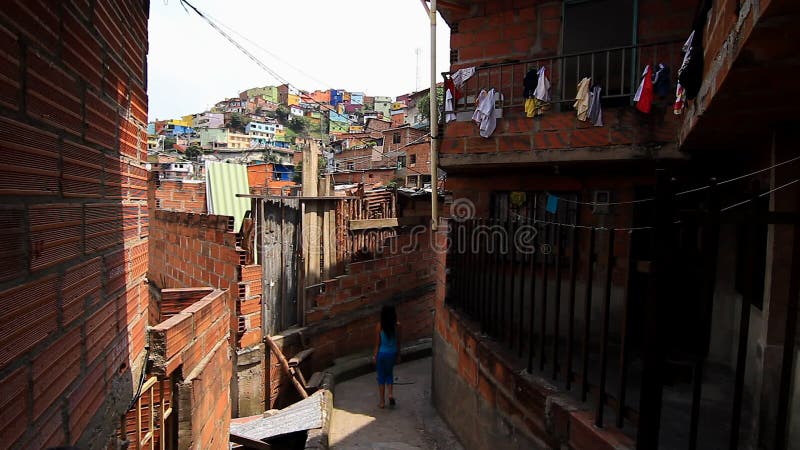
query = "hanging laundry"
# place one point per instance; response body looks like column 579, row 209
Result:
column 644, row 95
column 451, row 86
column 680, row 100
column 542, row 91
column 462, row 75
column 552, row 204
column 690, row 75
column 582, row 99
column 484, row 113
column 595, row 113
column 449, row 107
column 529, row 83
column 661, row 82
column 530, row 107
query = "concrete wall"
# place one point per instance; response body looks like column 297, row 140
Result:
column 73, row 118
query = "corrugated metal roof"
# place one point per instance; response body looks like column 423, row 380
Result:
column 223, row 182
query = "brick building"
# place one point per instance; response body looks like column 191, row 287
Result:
column 590, row 340
column 74, row 301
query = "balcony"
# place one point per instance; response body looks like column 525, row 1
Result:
column 626, row 133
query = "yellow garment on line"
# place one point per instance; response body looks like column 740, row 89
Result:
column 582, row 99
column 530, row 107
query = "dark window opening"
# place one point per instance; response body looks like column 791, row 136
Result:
column 413, row 159
column 401, row 162
column 614, row 70
column 396, row 138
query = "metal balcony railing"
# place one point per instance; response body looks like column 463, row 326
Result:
column 618, row 70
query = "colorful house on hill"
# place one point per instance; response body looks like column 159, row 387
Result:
column 268, row 93
column 209, row 120
column 288, row 95
column 321, row 96
column 357, row 98
column 337, row 97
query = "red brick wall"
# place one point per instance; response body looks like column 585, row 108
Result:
column 407, row 135
column 188, row 250
column 341, row 319
column 196, row 341
column 73, row 112
column 422, row 152
column 506, row 31
column 369, row 177
column 177, row 195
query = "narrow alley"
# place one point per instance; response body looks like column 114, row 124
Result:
column 413, row 424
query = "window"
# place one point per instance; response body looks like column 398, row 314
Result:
column 351, row 166
column 413, row 159
column 396, row 138
column 580, row 34
column 401, row 162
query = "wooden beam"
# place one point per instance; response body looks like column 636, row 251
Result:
column 249, row 442
column 368, row 224
column 298, row 358
column 285, row 366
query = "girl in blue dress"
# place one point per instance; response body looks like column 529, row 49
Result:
column 387, row 352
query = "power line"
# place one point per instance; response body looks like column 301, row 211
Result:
column 262, row 65
column 764, row 194
column 678, row 194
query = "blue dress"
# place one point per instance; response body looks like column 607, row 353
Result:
column 387, row 355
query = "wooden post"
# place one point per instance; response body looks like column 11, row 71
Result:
column 310, row 225
column 328, row 229
column 311, row 248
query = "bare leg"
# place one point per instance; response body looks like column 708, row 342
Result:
column 381, row 389
column 390, row 388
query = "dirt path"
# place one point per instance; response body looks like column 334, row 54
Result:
column 358, row 423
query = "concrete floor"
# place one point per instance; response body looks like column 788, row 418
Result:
column 358, row 423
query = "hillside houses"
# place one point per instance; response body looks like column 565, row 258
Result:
column 267, row 124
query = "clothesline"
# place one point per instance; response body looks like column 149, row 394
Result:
column 646, row 227
column 682, row 193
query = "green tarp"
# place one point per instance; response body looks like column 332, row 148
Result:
column 223, row 182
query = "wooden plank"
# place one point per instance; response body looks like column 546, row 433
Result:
column 368, row 224
column 251, row 443
column 300, row 357
column 285, row 366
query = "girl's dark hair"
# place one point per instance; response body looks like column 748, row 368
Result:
column 388, row 320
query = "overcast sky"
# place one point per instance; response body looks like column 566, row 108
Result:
column 357, row 45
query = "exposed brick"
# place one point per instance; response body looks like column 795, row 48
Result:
column 54, row 369
column 31, row 160
column 30, row 314
column 12, row 243
column 53, row 96
column 549, row 140
column 9, row 69
column 13, row 407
